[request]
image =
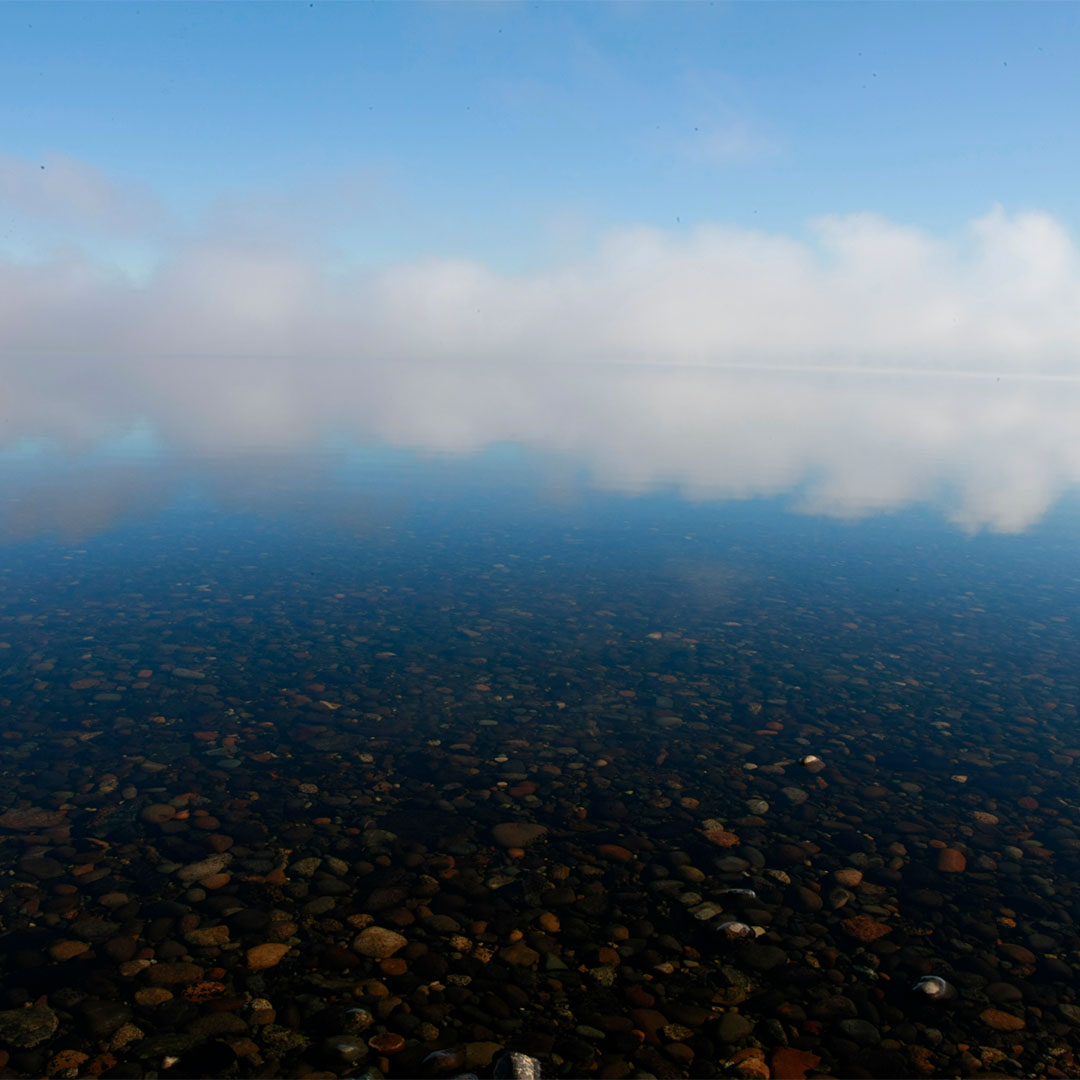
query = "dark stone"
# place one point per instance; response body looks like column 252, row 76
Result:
column 102, row 1018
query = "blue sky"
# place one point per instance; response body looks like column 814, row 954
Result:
column 517, row 133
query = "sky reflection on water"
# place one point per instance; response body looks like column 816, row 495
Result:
column 985, row 452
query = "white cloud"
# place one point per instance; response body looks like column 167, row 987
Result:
column 247, row 340
column 67, row 192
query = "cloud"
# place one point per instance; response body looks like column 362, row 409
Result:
column 728, row 143
column 701, row 360
column 855, row 290
column 66, row 192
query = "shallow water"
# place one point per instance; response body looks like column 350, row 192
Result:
column 541, row 729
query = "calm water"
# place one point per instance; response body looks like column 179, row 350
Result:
column 327, row 753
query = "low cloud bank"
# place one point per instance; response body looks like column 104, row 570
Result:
column 239, row 340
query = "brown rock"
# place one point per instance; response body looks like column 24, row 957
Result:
column 863, row 928
column 29, row 818
column 158, row 813
column 389, row 1042
column 518, row 834
column 152, row 995
column 651, row 1022
column 721, row 837
column 1000, row 1020
column 208, row 935
column 68, row 950
column 1018, row 953
column 791, row 1064
column 266, row 955
column 519, row 955
column 922, row 1060
column 176, row 974
column 849, row 877
column 378, row 942
column 614, row 853
column 65, row 1061
column 951, row 861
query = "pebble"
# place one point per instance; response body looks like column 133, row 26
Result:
column 25, row 1028
column 267, row 955
column 518, row 834
column 734, row 1027
column 951, row 861
column 1000, row 1020
column 204, row 868
column 378, row 942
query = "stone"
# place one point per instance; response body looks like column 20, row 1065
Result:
column 25, row 1028
column 721, row 838
column 68, row 950
column 174, row 974
column 266, row 955
column 614, row 853
column 951, row 861
column 519, row 955
column 860, row 1031
column 150, row 996
column 865, row 929
column 1000, row 1020
column 849, row 877
column 207, row 936
column 518, row 834
column 204, row 868
column 378, row 942
column 158, row 813
column 790, row 1064
column 734, row 1027
column 41, row 866
column 30, row 817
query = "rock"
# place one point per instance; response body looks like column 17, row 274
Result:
column 41, row 867
column 68, row 950
column 378, row 942
column 863, row 928
column 207, row 936
column 791, row 1064
column 758, row 957
column 951, row 861
column 204, row 868
column 158, row 813
column 860, row 1031
column 149, row 996
column 734, row 1027
column 27, row 1027
column 66, row 1061
column 614, row 853
column 803, row 898
column 103, row 1018
column 849, row 877
column 721, row 838
column 479, row 1054
column 389, row 1042
column 213, row 1025
column 266, row 955
column 518, row 834
column 175, row 974
column 1000, row 1020
column 30, row 817
column 519, row 955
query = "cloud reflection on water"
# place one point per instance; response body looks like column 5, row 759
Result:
column 990, row 453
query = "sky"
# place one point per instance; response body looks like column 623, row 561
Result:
column 241, row 222
column 520, row 133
